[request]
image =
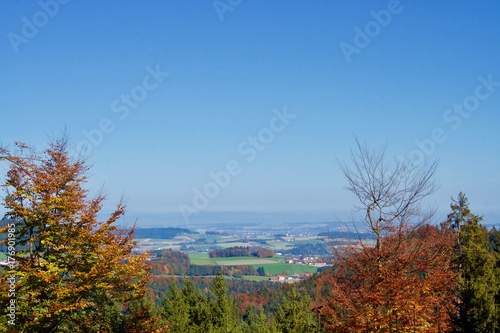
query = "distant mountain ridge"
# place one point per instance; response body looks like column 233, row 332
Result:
column 163, row 233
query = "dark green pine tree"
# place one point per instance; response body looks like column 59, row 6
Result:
column 294, row 315
column 187, row 310
column 223, row 309
column 477, row 285
column 256, row 321
column 191, row 310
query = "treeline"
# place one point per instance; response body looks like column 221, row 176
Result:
column 216, row 233
column 308, row 249
column 169, row 262
column 242, row 251
column 190, row 309
column 236, row 271
column 250, row 292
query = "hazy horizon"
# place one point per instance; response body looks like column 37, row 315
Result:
column 209, row 219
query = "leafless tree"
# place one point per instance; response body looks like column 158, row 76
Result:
column 390, row 195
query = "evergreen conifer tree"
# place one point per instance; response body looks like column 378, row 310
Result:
column 477, row 283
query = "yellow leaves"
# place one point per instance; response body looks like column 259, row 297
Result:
column 79, row 263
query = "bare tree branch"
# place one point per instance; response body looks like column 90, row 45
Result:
column 390, row 195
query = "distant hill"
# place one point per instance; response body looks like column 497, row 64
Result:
column 348, row 235
column 163, row 233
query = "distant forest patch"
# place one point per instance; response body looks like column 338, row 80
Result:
column 308, row 250
column 242, row 251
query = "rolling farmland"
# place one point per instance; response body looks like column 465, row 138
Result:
column 272, row 266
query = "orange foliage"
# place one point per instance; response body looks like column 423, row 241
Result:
column 403, row 286
column 76, row 266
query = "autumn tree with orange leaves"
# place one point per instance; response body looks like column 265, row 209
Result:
column 403, row 281
column 77, row 273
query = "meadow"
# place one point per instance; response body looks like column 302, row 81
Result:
column 272, row 266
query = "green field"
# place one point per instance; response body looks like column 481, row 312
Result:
column 204, row 259
column 201, row 259
column 255, row 278
column 289, row 269
column 272, row 266
column 251, row 261
column 279, row 245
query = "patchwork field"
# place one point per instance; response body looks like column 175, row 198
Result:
column 195, row 242
column 272, row 266
column 278, row 245
column 201, row 243
column 204, row 259
column 250, row 262
column 255, row 278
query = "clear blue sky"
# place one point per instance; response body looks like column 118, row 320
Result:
column 75, row 66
